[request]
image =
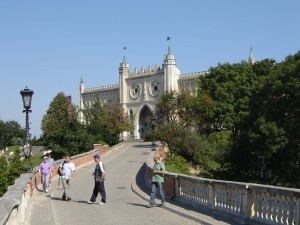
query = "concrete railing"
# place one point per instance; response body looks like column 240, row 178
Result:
column 246, row 203
column 15, row 204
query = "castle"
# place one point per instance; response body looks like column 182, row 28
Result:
column 139, row 90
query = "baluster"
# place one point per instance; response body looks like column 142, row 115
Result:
column 258, row 206
column 284, row 210
column 268, row 207
column 272, row 213
column 290, row 210
column 219, row 196
column 280, row 209
column 263, row 206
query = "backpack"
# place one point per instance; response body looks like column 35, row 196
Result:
column 60, row 170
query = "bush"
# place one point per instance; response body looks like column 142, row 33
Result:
column 3, row 175
column 101, row 142
column 177, row 164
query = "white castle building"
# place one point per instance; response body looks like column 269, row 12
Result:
column 139, row 90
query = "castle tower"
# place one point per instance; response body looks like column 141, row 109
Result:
column 81, row 105
column 124, row 71
column 251, row 59
column 171, row 72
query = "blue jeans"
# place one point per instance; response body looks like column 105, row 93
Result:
column 45, row 178
column 156, row 186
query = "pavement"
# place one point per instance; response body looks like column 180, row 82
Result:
column 126, row 206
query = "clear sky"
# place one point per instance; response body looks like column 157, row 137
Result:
column 49, row 45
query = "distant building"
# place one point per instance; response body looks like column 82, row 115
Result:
column 139, row 90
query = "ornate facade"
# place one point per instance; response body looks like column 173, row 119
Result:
column 139, row 90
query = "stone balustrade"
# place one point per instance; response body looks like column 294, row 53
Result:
column 15, row 204
column 246, row 203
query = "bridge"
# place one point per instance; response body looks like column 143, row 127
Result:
column 190, row 200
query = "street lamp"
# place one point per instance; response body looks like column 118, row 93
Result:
column 153, row 121
column 27, row 96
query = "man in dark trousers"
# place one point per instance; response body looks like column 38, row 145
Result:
column 99, row 176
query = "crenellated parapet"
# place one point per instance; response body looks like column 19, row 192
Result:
column 192, row 75
column 143, row 71
column 102, row 88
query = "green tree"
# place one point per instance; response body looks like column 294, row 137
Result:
column 62, row 132
column 14, row 167
column 11, row 133
column 174, row 107
column 105, row 121
column 3, row 175
column 175, row 115
column 267, row 148
column 179, row 114
column 230, row 87
column 203, row 110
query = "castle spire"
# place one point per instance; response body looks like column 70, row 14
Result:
column 124, row 56
column 251, row 59
column 169, row 47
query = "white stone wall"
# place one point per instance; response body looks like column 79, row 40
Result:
column 139, row 90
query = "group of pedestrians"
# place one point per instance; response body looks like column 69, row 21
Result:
column 67, row 169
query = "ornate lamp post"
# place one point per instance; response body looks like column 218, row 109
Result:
column 153, row 121
column 27, row 96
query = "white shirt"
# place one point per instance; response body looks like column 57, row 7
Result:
column 67, row 169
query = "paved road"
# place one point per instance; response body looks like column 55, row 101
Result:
column 123, row 205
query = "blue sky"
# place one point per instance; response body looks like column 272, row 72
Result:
column 49, row 45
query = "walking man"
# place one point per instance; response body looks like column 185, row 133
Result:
column 44, row 172
column 99, row 176
column 157, row 180
column 67, row 168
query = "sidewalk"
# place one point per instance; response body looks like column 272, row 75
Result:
column 41, row 205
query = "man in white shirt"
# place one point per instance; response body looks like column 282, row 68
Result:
column 68, row 168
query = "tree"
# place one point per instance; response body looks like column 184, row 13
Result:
column 63, row 133
column 174, row 117
column 267, row 149
column 11, row 133
column 175, row 108
column 179, row 114
column 106, row 121
column 14, row 167
column 230, row 87
column 3, row 175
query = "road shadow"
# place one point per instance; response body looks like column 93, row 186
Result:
column 57, row 199
column 140, row 180
column 132, row 161
column 142, row 146
column 39, row 190
column 135, row 204
column 85, row 202
column 61, row 200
